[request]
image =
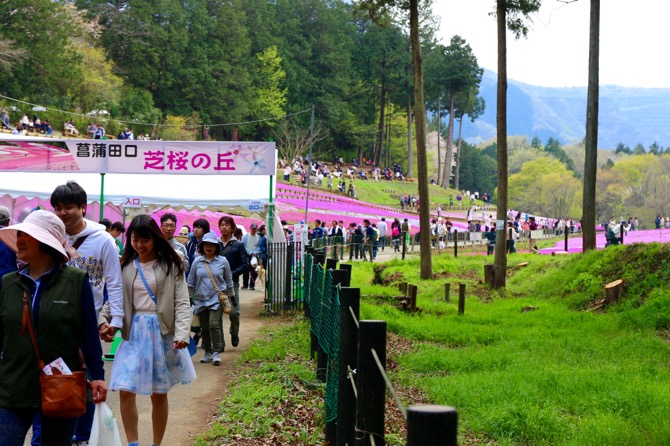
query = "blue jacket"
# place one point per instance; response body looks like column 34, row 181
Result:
column 200, row 284
column 7, row 259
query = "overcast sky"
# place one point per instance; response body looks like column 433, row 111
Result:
column 633, row 41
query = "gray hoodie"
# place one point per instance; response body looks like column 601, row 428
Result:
column 100, row 259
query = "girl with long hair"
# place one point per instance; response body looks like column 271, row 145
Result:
column 156, row 327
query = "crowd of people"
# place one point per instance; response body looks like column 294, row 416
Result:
column 337, row 172
column 83, row 285
column 358, row 241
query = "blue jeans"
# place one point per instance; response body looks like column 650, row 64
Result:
column 14, row 425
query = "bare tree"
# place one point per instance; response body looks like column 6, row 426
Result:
column 293, row 139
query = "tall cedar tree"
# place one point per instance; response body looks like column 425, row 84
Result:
column 591, row 140
column 510, row 14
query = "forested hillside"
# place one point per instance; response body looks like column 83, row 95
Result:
column 188, row 64
column 627, row 115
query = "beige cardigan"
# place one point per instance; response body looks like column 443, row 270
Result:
column 173, row 305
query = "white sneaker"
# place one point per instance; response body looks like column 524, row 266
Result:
column 216, row 358
column 207, row 358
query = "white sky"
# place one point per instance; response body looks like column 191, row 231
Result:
column 555, row 54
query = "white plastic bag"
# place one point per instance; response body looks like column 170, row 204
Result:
column 105, row 431
column 254, row 262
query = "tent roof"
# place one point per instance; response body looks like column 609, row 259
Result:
column 177, row 191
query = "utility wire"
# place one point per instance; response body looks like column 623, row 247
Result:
column 159, row 125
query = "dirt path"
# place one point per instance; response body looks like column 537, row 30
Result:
column 192, row 406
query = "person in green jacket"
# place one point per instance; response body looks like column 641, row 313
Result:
column 62, row 312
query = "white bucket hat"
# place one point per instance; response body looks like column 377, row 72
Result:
column 43, row 226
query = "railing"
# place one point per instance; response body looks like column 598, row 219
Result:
column 284, row 278
column 351, row 359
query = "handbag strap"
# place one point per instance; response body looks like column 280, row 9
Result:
column 144, row 280
column 209, row 271
column 28, row 323
column 230, row 244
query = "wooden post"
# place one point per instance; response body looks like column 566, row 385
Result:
column 331, row 263
column 461, row 298
column 341, row 277
column 566, row 239
column 432, row 426
column 370, row 383
column 613, row 291
column 455, row 242
column 447, row 287
column 413, row 290
column 490, row 274
column 346, row 397
column 347, row 267
column 319, row 257
column 403, row 288
column 621, row 233
column 404, row 244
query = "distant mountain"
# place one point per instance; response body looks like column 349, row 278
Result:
column 628, row 115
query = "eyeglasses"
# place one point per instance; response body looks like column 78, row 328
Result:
column 168, row 226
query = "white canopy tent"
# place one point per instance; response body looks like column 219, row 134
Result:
column 151, row 188
column 177, row 191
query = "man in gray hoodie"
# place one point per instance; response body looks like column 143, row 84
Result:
column 99, row 257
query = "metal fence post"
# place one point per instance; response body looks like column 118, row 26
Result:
column 370, row 384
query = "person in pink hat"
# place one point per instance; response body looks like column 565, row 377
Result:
column 59, row 301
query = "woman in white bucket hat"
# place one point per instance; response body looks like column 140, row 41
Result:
column 63, row 315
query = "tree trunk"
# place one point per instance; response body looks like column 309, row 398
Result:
column 420, row 119
column 439, row 153
column 410, row 152
column 591, row 140
column 458, row 155
column 446, row 174
column 387, row 158
column 379, row 146
column 501, row 124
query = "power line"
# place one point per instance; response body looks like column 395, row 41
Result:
column 159, row 125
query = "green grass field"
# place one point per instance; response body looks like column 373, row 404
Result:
column 556, row 374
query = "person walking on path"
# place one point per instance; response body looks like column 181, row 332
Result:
column 7, row 256
column 168, row 227
column 382, row 227
column 200, row 228
column 368, row 239
column 236, row 254
column 99, row 257
column 152, row 357
column 63, row 317
column 250, row 241
column 210, row 274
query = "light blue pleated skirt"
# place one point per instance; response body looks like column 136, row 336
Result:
column 147, row 363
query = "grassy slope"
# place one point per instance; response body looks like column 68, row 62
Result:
column 553, row 376
column 386, row 192
column 556, row 375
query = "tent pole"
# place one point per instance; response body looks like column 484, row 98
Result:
column 102, row 195
column 309, row 163
column 271, row 218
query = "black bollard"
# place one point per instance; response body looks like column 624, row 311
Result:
column 432, row 426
